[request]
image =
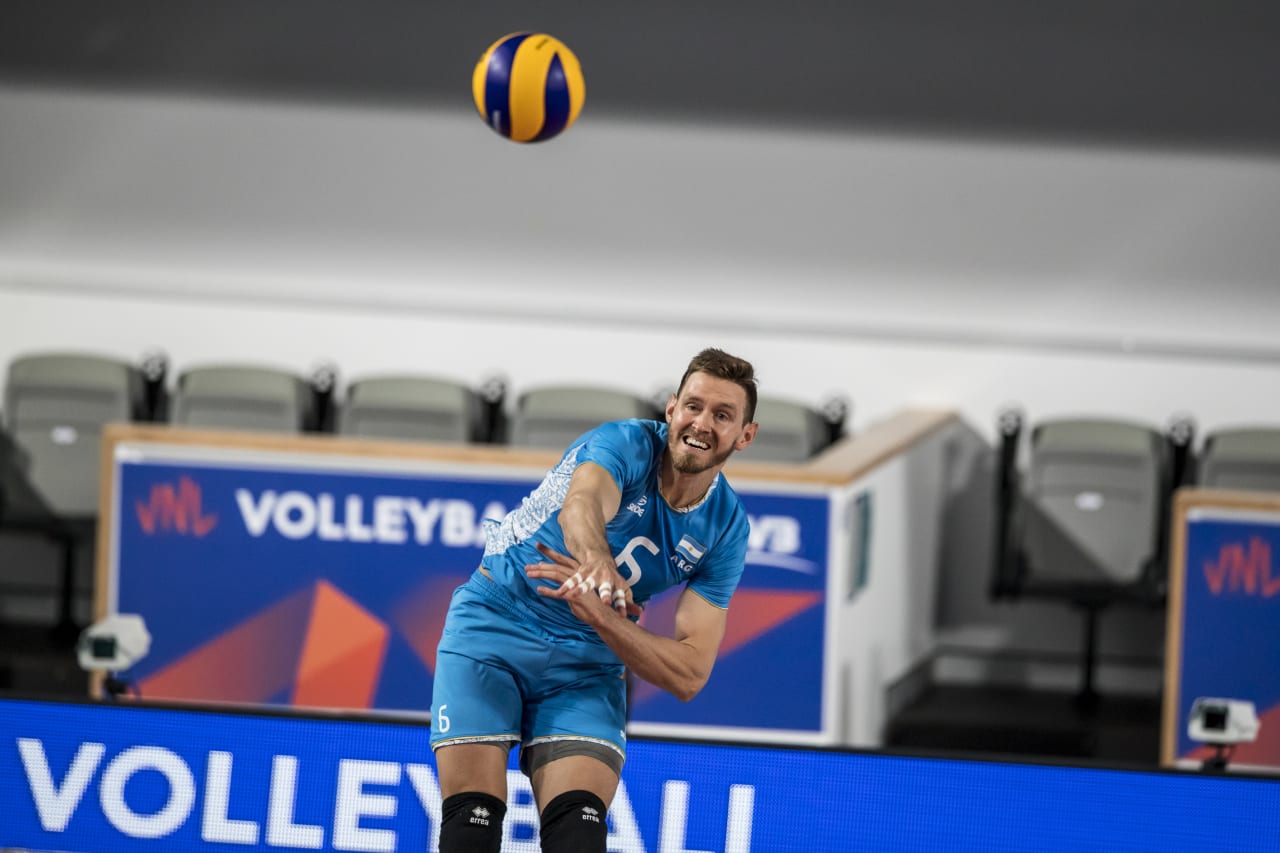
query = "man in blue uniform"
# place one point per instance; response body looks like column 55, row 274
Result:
column 535, row 644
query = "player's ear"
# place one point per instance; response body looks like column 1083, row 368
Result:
column 748, row 436
column 671, row 408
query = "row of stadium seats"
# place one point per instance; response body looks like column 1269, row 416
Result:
column 55, row 405
column 1083, row 507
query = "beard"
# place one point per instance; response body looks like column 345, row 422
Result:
column 687, row 461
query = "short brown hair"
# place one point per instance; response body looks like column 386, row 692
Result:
column 718, row 363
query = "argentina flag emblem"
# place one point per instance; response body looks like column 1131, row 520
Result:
column 691, row 549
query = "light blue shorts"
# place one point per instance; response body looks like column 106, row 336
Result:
column 502, row 678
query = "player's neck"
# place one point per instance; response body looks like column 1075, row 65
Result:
column 684, row 491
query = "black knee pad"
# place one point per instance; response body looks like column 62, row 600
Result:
column 471, row 822
column 574, row 823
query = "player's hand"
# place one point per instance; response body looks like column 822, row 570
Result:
column 576, row 582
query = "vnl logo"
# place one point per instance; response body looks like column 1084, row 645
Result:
column 1243, row 569
column 175, row 509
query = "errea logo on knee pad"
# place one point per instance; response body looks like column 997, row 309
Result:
column 480, row 815
column 588, row 813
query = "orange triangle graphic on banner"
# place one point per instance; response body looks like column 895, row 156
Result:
column 754, row 612
column 342, row 653
column 247, row 663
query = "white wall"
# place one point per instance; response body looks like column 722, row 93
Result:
column 894, row 270
column 888, row 629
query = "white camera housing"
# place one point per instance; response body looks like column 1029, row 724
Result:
column 1223, row 721
column 116, row 643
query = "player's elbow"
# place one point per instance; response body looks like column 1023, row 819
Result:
column 684, row 694
column 691, row 675
column 686, row 688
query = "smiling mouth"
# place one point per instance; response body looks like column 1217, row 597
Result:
column 694, row 443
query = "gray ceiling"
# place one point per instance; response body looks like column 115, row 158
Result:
column 1201, row 74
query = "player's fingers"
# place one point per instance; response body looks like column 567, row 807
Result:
column 547, row 570
column 620, row 601
column 556, row 557
column 606, row 592
column 572, row 582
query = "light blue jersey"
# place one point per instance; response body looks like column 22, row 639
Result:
column 656, row 546
column 513, row 666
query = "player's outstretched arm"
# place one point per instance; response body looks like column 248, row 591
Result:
column 592, row 500
column 679, row 665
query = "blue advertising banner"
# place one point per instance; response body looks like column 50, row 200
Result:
column 306, row 583
column 88, row 778
column 1230, row 624
column 284, row 586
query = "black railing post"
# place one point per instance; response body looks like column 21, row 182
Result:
column 1008, row 431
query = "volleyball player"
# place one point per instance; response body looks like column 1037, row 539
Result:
column 535, row 643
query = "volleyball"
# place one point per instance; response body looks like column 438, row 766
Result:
column 528, row 87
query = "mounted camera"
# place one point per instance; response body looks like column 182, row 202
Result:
column 1222, row 723
column 114, row 644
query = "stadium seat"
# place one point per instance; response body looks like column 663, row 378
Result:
column 1241, row 458
column 419, row 408
column 24, row 511
column 553, row 416
column 1100, row 484
column 789, row 432
column 1087, row 523
column 14, row 486
column 57, row 404
column 243, row 398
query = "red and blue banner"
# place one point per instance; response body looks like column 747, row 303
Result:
column 322, row 583
column 1230, row 626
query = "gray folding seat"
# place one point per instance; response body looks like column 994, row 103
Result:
column 1088, row 521
column 17, row 498
column 419, row 408
column 553, row 416
column 57, row 405
column 789, row 432
column 243, row 397
column 1241, row 458
column 1095, row 490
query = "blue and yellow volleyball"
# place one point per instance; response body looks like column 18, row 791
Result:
column 528, row 87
